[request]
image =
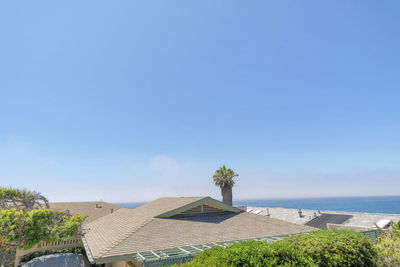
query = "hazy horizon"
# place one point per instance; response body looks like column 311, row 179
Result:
column 252, row 199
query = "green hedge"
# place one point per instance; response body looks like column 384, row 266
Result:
column 335, row 247
column 320, row 248
column 252, row 253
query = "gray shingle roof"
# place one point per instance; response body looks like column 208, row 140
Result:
column 94, row 210
column 129, row 231
column 107, row 232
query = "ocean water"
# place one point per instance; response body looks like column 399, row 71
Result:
column 356, row 204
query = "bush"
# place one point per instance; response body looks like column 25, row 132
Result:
column 335, row 247
column 389, row 248
column 252, row 253
column 320, row 248
column 396, row 226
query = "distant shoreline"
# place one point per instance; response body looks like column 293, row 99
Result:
column 374, row 204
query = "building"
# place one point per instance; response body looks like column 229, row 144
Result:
column 171, row 230
column 93, row 209
column 164, row 231
column 358, row 221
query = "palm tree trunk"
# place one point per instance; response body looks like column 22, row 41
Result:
column 227, row 195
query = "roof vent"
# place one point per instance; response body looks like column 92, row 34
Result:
column 267, row 213
column 301, row 213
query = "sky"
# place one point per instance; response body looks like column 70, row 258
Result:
column 128, row 101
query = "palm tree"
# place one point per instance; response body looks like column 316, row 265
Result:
column 223, row 178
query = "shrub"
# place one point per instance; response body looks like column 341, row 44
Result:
column 252, row 253
column 335, row 247
column 320, row 248
column 389, row 248
column 396, row 226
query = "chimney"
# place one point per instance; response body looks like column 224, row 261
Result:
column 112, row 210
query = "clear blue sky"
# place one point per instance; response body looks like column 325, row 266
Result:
column 133, row 100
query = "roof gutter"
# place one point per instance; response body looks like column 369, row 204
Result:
column 88, row 251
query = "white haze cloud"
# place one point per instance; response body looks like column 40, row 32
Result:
column 127, row 179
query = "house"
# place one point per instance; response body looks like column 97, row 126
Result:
column 358, row 221
column 92, row 209
column 171, row 230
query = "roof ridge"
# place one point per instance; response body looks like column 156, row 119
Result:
column 104, row 252
column 74, row 202
column 106, row 216
column 134, row 230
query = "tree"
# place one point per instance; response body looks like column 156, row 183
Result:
column 25, row 221
column 223, row 178
column 21, row 199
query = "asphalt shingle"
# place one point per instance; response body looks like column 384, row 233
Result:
column 129, row 231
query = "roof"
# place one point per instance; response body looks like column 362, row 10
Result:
column 191, row 231
column 359, row 220
column 160, row 225
column 322, row 220
column 94, row 210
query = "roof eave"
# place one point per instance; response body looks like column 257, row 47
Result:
column 112, row 259
column 88, row 251
column 135, row 256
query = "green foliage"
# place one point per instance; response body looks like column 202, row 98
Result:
column 7, row 251
column 30, row 227
column 335, row 247
column 252, row 253
column 389, row 248
column 21, row 199
column 223, row 177
column 24, row 222
column 8, row 246
column 320, row 248
column 9, row 193
column 396, row 226
column 28, row 257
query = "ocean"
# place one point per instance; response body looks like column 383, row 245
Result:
column 389, row 204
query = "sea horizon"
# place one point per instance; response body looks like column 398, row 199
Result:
column 368, row 204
